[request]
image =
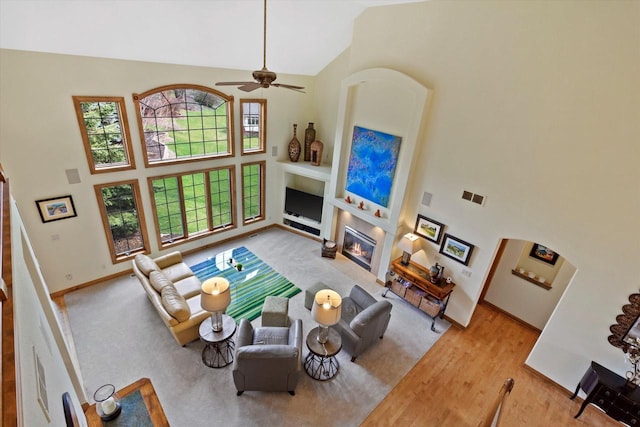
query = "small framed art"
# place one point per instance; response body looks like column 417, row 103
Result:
column 428, row 228
column 543, row 254
column 56, row 208
column 456, row 249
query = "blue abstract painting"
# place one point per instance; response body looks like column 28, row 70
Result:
column 372, row 164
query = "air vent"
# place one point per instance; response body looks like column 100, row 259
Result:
column 474, row 198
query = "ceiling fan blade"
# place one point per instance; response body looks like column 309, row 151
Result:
column 250, row 86
column 292, row 87
column 232, row 83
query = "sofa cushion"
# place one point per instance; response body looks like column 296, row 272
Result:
column 145, row 264
column 177, row 272
column 188, row 287
column 158, row 280
column 349, row 309
column 271, row 335
column 175, row 304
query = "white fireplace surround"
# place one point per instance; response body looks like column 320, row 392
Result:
column 388, row 101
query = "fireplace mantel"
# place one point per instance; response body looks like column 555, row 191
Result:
column 365, row 214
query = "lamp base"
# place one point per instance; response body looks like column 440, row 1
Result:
column 406, row 257
column 323, row 334
column 216, row 321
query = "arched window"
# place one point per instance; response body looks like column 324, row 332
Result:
column 180, row 123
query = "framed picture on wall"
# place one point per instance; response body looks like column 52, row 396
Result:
column 56, row 208
column 543, row 253
column 428, row 228
column 456, row 249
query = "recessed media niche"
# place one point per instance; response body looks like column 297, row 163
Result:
column 303, row 210
column 304, row 196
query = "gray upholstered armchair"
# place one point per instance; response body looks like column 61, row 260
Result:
column 364, row 321
column 268, row 358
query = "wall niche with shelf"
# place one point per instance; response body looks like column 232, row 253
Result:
column 538, row 264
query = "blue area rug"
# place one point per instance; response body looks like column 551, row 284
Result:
column 249, row 286
column 134, row 413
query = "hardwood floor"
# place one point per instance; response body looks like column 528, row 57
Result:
column 456, row 381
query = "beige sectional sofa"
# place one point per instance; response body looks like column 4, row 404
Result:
column 174, row 291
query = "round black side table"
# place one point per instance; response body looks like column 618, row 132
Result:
column 219, row 346
column 321, row 364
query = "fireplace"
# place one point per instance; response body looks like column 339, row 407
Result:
column 358, row 247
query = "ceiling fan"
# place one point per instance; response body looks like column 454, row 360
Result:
column 263, row 78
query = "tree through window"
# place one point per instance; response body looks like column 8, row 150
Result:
column 123, row 219
column 105, row 133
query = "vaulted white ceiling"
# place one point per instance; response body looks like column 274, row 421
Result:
column 303, row 36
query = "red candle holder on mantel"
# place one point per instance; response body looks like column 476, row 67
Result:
column 361, row 205
column 347, row 199
column 377, row 214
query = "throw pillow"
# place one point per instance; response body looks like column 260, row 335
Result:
column 174, row 303
column 158, row 280
column 145, row 264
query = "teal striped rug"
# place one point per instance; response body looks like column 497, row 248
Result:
column 250, row 286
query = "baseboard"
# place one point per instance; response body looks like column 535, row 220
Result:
column 511, row 316
column 90, row 283
column 551, row 382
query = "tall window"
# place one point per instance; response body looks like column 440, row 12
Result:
column 183, row 123
column 193, row 204
column 254, row 125
column 105, row 133
column 123, row 219
column 253, row 178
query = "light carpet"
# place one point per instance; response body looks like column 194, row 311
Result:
column 249, row 285
column 120, row 338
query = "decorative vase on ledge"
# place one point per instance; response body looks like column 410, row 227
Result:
column 309, row 137
column 316, row 152
column 294, row 146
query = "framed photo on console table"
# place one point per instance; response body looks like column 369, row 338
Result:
column 456, row 249
column 428, row 228
column 56, row 208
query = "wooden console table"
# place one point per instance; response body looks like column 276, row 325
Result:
column 154, row 408
column 412, row 282
column 609, row 392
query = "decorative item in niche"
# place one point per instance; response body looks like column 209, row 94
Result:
column 456, row 249
column 428, row 228
column 309, row 137
column 294, row 146
column 372, row 164
column 56, row 208
column 316, row 152
column 543, row 254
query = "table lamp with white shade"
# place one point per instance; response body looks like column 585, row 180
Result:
column 215, row 297
column 409, row 245
column 326, row 310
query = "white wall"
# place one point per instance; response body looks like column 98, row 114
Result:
column 535, row 105
column 40, row 139
column 37, row 331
